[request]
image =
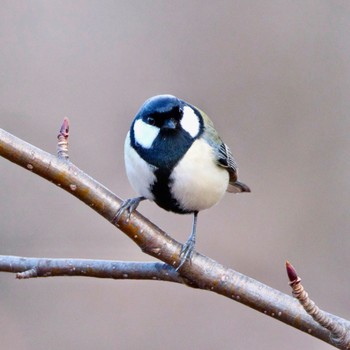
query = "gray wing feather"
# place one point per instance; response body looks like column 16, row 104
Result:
column 225, row 159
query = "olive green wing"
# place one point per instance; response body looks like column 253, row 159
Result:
column 223, row 156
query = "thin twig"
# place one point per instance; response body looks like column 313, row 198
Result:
column 339, row 335
column 62, row 144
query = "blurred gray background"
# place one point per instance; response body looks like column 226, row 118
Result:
column 274, row 77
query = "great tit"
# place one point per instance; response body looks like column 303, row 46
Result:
column 175, row 157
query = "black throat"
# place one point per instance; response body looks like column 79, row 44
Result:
column 167, row 150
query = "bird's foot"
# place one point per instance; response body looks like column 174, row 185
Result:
column 186, row 252
column 128, row 205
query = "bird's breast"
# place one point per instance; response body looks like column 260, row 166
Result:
column 197, row 181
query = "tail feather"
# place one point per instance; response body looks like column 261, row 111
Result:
column 237, row 187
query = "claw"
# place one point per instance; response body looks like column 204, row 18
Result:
column 186, row 252
column 128, row 205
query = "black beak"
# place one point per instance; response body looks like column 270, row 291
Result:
column 170, row 123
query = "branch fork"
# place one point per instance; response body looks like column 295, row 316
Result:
column 202, row 272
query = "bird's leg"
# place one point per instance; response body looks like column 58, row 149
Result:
column 188, row 248
column 129, row 205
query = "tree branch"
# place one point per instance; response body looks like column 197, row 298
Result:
column 47, row 267
column 202, row 272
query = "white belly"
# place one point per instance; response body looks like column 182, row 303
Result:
column 198, row 182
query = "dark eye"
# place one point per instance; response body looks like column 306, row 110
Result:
column 151, row 121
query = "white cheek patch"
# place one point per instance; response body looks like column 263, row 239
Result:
column 144, row 133
column 140, row 174
column 190, row 122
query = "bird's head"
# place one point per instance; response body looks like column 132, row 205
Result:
column 165, row 118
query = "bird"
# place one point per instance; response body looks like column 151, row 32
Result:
column 174, row 157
